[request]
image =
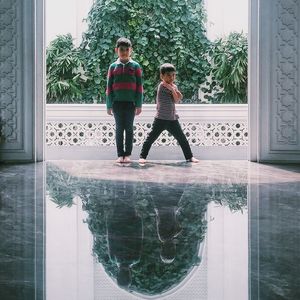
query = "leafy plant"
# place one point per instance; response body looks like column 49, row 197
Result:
column 161, row 31
column 227, row 81
column 66, row 76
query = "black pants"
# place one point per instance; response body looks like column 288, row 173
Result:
column 172, row 127
column 124, row 113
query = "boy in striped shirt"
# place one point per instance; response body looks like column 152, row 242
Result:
column 124, row 96
column 166, row 116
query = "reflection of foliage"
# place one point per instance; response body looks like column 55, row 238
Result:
column 60, row 186
column 150, row 275
column 234, row 196
column 97, row 202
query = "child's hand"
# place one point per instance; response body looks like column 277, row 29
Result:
column 138, row 110
column 169, row 86
column 109, row 111
column 177, row 96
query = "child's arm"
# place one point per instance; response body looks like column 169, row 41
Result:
column 177, row 96
column 109, row 91
column 139, row 90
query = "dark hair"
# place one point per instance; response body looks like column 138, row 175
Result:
column 165, row 68
column 124, row 276
column 168, row 251
column 123, row 42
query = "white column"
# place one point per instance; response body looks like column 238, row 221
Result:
column 274, row 80
column 21, row 57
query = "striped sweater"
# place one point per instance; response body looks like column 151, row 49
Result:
column 165, row 105
column 124, row 83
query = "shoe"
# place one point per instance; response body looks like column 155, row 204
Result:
column 120, row 160
column 142, row 161
column 193, row 160
column 126, row 159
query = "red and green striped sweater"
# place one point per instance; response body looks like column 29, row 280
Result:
column 124, row 83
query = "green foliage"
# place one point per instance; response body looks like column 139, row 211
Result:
column 228, row 73
column 65, row 72
column 160, row 30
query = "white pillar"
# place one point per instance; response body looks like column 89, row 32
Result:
column 274, row 85
column 21, row 80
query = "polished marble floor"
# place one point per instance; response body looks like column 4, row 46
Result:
column 83, row 230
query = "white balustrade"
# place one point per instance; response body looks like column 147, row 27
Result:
column 205, row 125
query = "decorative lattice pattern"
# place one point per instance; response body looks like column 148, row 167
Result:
column 103, row 134
column 9, row 70
column 286, row 69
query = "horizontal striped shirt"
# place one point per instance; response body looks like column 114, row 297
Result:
column 165, row 104
column 124, row 83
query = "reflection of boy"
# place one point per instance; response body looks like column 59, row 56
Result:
column 166, row 117
column 125, row 237
column 167, row 229
column 124, row 96
column 166, row 199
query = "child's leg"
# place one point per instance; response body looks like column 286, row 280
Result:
column 158, row 127
column 175, row 129
column 128, row 126
column 119, row 120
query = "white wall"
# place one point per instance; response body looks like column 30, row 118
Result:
column 226, row 16
column 66, row 16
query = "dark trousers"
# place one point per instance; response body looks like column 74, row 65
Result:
column 124, row 113
column 172, row 127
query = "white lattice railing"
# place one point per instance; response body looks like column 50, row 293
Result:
column 87, row 132
column 89, row 125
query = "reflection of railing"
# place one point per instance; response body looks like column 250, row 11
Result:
column 89, row 125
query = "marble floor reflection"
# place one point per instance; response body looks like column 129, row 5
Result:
column 83, row 230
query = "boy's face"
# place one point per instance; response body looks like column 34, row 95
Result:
column 124, row 52
column 168, row 77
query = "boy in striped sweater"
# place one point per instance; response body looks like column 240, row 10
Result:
column 166, row 116
column 124, row 96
